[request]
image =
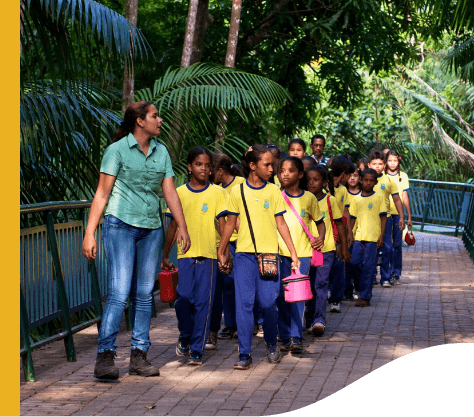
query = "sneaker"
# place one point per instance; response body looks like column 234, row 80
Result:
column 140, row 365
column 273, row 353
column 386, row 284
column 182, row 347
column 286, row 345
column 335, row 308
column 245, row 362
column 296, row 345
column 226, row 333
column 105, row 366
column 195, row 358
column 397, row 282
column 211, row 341
column 355, row 296
column 317, row 329
column 259, row 330
column 329, row 294
column 362, row 303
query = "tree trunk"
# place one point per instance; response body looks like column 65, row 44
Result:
column 128, row 92
column 199, row 20
column 230, row 60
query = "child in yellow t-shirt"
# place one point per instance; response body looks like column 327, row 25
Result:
column 369, row 209
column 291, row 175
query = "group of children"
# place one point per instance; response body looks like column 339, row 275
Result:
column 234, row 214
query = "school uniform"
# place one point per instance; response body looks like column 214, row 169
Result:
column 224, row 295
column 386, row 187
column 402, row 182
column 290, row 315
column 319, row 277
column 367, row 210
column 264, row 204
column 198, row 266
column 349, row 279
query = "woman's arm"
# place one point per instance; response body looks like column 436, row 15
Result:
column 169, row 242
column 285, row 234
column 89, row 245
column 174, row 204
column 406, row 203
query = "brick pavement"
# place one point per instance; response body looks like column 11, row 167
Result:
column 435, row 305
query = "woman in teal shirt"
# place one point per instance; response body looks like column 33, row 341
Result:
column 132, row 170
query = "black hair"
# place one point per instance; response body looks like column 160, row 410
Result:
column 369, row 171
column 318, row 137
column 221, row 160
column 299, row 142
column 194, row 153
column 272, row 148
column 322, row 170
column 349, row 167
column 299, row 166
column 376, row 154
column 309, row 159
column 133, row 112
column 254, row 154
column 394, row 153
column 238, row 169
column 363, row 161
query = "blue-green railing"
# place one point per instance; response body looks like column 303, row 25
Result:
column 56, row 280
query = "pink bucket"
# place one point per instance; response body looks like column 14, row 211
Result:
column 297, row 287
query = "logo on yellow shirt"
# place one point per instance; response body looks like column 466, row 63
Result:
column 370, row 205
column 204, row 207
column 303, row 213
column 382, row 186
column 266, row 204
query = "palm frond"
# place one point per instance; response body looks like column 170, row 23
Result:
column 460, row 59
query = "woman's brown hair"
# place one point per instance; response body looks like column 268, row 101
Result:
column 133, row 112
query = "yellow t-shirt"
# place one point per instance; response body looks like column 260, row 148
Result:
column 341, row 194
column 200, row 208
column 367, row 209
column 402, row 185
column 350, row 197
column 307, row 207
column 277, row 181
column 329, row 244
column 386, row 187
column 236, row 181
column 264, row 204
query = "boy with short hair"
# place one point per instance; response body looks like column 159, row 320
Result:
column 386, row 187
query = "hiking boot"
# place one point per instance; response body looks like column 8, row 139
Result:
column 195, row 358
column 226, row 333
column 273, row 353
column 140, row 365
column 182, row 347
column 211, row 341
column 244, row 362
column 296, row 345
column 285, row 345
column 105, row 367
column 317, row 329
column 362, row 303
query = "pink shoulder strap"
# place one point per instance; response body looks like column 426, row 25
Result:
column 297, row 216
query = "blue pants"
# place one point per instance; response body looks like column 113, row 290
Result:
column 250, row 287
column 132, row 263
column 290, row 315
column 224, row 299
column 316, row 307
column 337, row 280
column 385, row 268
column 197, row 281
column 364, row 262
column 396, row 260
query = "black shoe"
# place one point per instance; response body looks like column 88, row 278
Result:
column 227, row 333
column 296, row 345
column 140, row 365
column 105, row 367
column 273, row 353
column 182, row 347
column 211, row 341
column 245, row 362
column 195, row 358
column 286, row 345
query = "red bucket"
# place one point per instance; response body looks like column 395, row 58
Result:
column 168, row 283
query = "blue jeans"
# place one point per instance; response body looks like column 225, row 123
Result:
column 290, row 315
column 319, row 277
column 249, row 289
column 132, row 263
column 197, row 281
column 396, row 260
column 224, row 299
column 337, row 280
column 364, row 262
column 385, row 268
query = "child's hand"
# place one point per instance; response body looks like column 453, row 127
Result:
column 295, row 264
column 222, row 262
column 346, row 255
column 401, row 223
column 380, row 242
column 317, row 243
column 350, row 240
column 409, row 223
column 165, row 263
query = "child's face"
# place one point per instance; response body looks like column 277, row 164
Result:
column 353, row 179
column 315, row 182
column 289, row 174
column 307, row 164
column 362, row 167
column 218, row 176
column 201, row 167
column 368, row 183
column 392, row 163
column 297, row 150
column 264, row 166
column 378, row 165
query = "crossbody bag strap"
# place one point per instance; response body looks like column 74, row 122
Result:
column 248, row 217
column 305, row 228
column 330, row 209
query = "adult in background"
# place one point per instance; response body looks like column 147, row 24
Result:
column 318, row 143
column 132, row 170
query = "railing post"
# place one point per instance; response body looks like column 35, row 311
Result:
column 458, row 214
column 63, row 301
column 27, row 358
column 427, row 207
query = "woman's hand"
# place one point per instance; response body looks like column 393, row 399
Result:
column 166, row 264
column 89, row 247
column 183, row 240
column 317, row 243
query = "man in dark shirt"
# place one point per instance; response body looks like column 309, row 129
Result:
column 318, row 143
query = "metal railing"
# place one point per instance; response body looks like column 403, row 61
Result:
column 56, row 280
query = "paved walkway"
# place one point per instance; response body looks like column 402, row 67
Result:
column 435, row 305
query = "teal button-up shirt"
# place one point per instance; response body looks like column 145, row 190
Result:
column 134, row 196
